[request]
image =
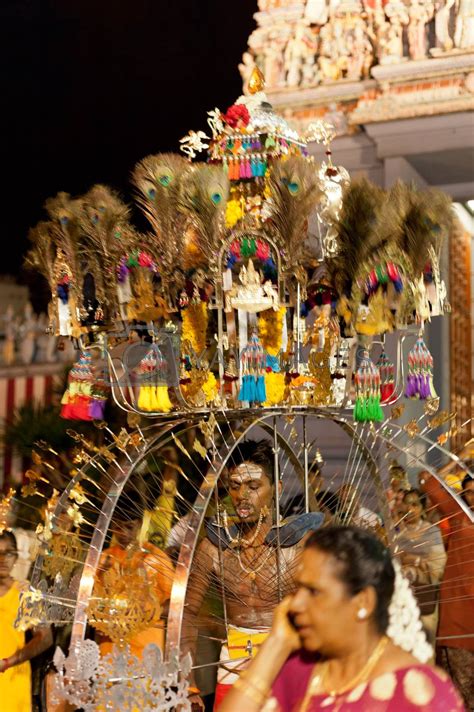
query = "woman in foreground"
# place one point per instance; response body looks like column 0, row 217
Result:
column 332, row 647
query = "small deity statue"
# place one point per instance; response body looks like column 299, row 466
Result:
column 254, row 295
column 332, row 54
column 420, row 12
column 316, row 12
column 442, row 14
column 10, row 331
column 390, row 35
column 28, row 329
column 360, row 53
column 274, row 63
column 464, row 30
column 246, row 67
column 299, row 48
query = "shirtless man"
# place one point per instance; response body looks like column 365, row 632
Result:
column 243, row 558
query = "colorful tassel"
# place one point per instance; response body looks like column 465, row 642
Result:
column 367, row 406
column 419, row 382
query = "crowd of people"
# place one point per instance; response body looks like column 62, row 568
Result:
column 332, row 642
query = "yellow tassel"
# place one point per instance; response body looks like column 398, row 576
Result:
column 275, row 388
column 144, row 398
column 163, row 403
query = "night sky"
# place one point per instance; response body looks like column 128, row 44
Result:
column 89, row 87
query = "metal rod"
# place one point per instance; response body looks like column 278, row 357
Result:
column 277, row 503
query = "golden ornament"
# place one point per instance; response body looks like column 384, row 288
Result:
column 397, row 411
column 256, row 81
column 411, row 428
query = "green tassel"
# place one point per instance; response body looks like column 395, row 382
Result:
column 379, row 414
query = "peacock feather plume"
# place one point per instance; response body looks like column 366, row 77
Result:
column 202, row 202
column 357, row 232
column 295, row 190
column 158, row 183
column 426, row 219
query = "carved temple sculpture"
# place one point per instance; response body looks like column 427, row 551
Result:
column 364, row 57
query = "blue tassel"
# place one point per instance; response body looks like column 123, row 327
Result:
column 251, row 389
column 242, row 394
column 261, row 394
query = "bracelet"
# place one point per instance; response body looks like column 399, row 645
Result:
column 259, row 686
column 250, row 691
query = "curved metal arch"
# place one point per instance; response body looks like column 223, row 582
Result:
column 188, row 547
column 457, row 498
column 94, row 552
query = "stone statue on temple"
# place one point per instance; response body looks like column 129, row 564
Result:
column 316, row 12
column 299, row 48
column 420, row 12
column 390, row 37
column 360, row 51
column 333, row 50
column 246, row 67
column 274, row 69
column 442, row 18
column 464, row 30
column 28, row 331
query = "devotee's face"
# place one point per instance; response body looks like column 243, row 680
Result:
column 126, row 532
column 349, row 498
column 321, row 609
column 413, row 508
column 469, row 494
column 250, row 490
column 8, row 556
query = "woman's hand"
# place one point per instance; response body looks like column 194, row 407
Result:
column 282, row 628
column 4, row 664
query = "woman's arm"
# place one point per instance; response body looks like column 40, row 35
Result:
column 251, row 690
column 42, row 640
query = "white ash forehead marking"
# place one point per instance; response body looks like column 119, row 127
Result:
column 245, row 471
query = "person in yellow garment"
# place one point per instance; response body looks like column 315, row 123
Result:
column 15, row 654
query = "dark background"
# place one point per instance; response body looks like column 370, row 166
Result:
column 89, row 87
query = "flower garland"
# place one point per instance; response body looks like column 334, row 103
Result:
column 270, row 330
column 275, row 388
column 237, row 116
column 194, row 327
column 233, row 213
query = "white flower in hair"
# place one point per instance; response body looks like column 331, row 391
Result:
column 405, row 628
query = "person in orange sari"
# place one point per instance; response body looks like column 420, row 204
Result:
column 128, row 555
column 456, row 615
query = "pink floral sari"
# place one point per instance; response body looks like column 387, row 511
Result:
column 419, row 688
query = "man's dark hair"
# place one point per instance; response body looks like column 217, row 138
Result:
column 421, row 495
column 328, row 499
column 9, row 536
column 362, row 561
column 260, row 452
column 465, row 481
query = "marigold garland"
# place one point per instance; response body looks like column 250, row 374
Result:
column 210, row 388
column 270, row 330
column 275, row 388
column 195, row 318
column 233, row 213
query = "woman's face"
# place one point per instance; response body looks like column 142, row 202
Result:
column 322, row 610
column 8, row 556
column 413, row 508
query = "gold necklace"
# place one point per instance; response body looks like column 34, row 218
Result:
column 319, row 676
column 240, row 541
column 252, row 573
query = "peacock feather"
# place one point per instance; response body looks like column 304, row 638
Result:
column 295, row 190
column 357, row 232
column 426, row 220
column 158, row 180
column 202, row 202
